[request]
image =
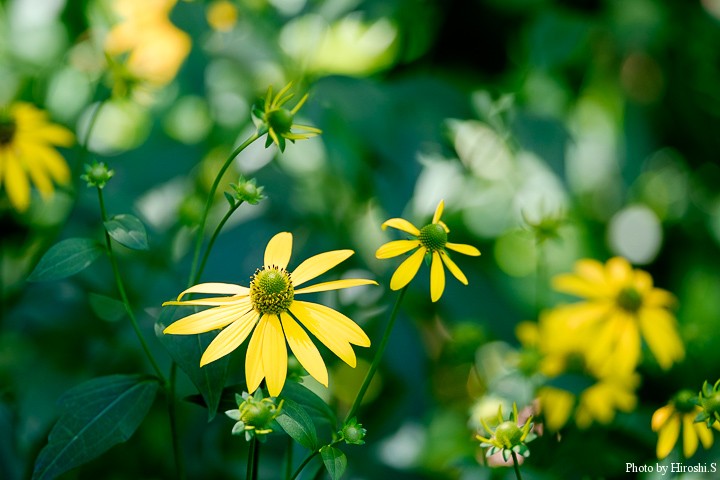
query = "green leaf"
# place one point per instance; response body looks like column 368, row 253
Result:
column 94, row 417
column 107, row 308
column 127, row 230
column 186, row 350
column 66, row 258
column 314, row 405
column 334, row 460
column 297, row 423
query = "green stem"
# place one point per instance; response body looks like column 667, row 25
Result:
column 123, row 294
column 194, row 275
column 516, row 465
column 215, row 234
column 378, row 356
column 540, row 276
column 252, row 460
column 288, row 465
column 310, row 457
column 172, row 413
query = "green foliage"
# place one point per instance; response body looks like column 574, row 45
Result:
column 128, row 231
column 335, row 461
column 297, row 423
column 66, row 258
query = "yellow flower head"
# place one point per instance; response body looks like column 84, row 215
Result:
column 622, row 305
column 28, row 155
column 432, row 240
column 270, row 311
column 667, row 420
column 277, row 121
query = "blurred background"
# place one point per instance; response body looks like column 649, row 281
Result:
column 600, row 116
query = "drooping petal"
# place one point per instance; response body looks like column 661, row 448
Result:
column 230, row 338
column 53, row 134
column 254, row 372
column 17, row 185
column 41, row 180
column 212, row 301
column 556, row 405
column 210, row 319
column 661, row 416
column 341, row 325
column 395, row 248
column 335, row 285
column 437, row 277
column 703, row 433
column 580, row 286
column 659, row 329
column 454, row 269
column 591, row 270
column 304, row 349
column 407, row 269
column 690, row 439
column 438, row 211
column 337, row 344
column 317, row 265
column 659, row 298
column 401, row 224
column 668, row 437
column 216, row 288
column 463, row 248
column 49, row 158
column 274, row 356
column 278, row 250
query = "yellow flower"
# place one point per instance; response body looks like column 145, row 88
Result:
column 667, row 420
column 269, row 309
column 275, row 120
column 429, row 240
column 222, row 15
column 27, row 153
column 621, row 305
column 156, row 47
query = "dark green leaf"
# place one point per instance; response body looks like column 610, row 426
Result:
column 186, row 350
column 334, row 460
column 297, row 423
column 230, row 199
column 107, row 308
column 314, row 405
column 127, row 230
column 66, row 258
column 94, row 417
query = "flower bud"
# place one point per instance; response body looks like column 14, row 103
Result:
column 97, row 174
column 353, row 432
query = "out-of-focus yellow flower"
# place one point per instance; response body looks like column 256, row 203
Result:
column 222, row 15
column 28, row 155
column 429, row 240
column 156, row 48
column 667, row 420
column 621, row 305
column 269, row 309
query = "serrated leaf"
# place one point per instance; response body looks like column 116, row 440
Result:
column 66, row 258
column 109, row 309
column 335, row 461
column 186, row 350
column 94, row 417
column 127, row 230
column 314, row 405
column 297, row 423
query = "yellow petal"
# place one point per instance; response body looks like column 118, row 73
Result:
column 437, row 277
column 342, row 326
column 40, row 179
column 528, row 333
column 317, row 325
column 401, row 224
column 216, row 288
column 642, row 281
column 335, row 285
column 618, row 272
column 230, row 338
column 660, row 332
column 556, row 406
column 274, row 356
column 304, row 349
column 16, row 183
column 704, row 433
column 317, row 265
column 55, row 135
column 579, row 286
column 438, row 211
column 48, row 158
column 659, row 298
column 690, row 439
column 591, row 270
column 278, row 250
column 457, row 273
column 626, row 352
column 210, row 319
column 407, row 269
column 464, row 249
column 395, row 248
column 661, row 416
column 213, row 301
column 254, row 372
column 668, row 437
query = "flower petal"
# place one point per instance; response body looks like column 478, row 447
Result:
column 335, row 285
column 464, row 249
column 274, row 356
column 704, row 434
column 618, row 272
column 212, row 301
column 216, row 288
column 230, row 338
column 316, row 324
column 254, row 372
column 579, row 286
column 660, row 332
column 210, row 319
column 342, row 326
column 407, row 269
column 278, row 250
column 438, row 211
column 690, row 439
column 401, row 224
column 457, row 273
column 437, row 277
column 661, row 416
column 395, row 248
column 659, row 298
column 304, row 349
column 668, row 437
column 318, row 264
column 17, row 185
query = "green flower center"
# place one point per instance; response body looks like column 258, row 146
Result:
column 7, row 131
column 629, row 299
column 433, row 237
column 508, row 434
column 271, row 290
column 280, row 120
column 684, row 401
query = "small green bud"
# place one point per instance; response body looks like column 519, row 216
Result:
column 353, row 432
column 97, row 174
column 247, row 191
column 254, row 415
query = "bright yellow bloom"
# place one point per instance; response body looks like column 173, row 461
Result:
column 667, row 420
column 622, row 305
column 429, row 240
column 27, row 153
column 156, row 47
column 222, row 15
column 269, row 309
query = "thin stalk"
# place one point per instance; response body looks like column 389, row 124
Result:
column 211, row 196
column 378, row 356
column 288, row 465
column 517, row 467
column 252, row 460
column 123, row 294
column 304, row 464
column 215, row 234
column 540, row 276
column 172, row 413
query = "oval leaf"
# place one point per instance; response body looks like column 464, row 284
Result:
column 127, row 230
column 94, row 417
column 298, row 424
column 66, row 258
column 314, row 405
column 335, row 461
